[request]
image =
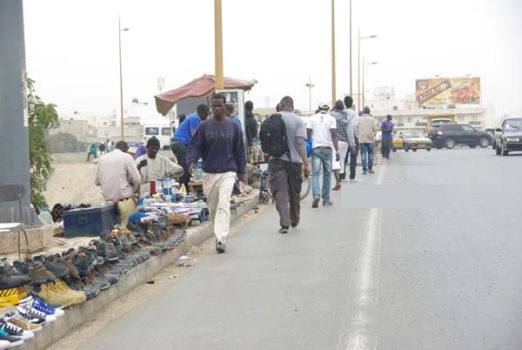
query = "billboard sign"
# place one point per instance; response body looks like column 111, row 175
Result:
column 445, row 91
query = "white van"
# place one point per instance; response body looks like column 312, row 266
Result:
column 162, row 132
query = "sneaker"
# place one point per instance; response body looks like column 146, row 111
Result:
column 365, row 172
column 15, row 331
column 41, row 305
column 283, row 229
column 13, row 341
column 17, row 320
column 34, row 313
column 315, row 203
column 327, row 203
column 4, row 344
column 294, row 224
column 221, row 247
column 371, row 171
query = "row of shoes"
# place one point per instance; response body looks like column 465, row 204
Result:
column 31, row 314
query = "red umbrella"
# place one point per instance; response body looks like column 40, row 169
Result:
column 202, row 86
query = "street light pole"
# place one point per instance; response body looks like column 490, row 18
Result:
column 218, row 44
column 309, row 85
column 122, row 132
column 359, row 38
column 333, row 54
column 351, row 57
column 363, row 73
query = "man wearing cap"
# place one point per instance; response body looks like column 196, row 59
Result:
column 182, row 136
column 154, row 166
column 323, row 131
column 119, row 179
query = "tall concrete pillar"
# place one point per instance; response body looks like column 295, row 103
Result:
column 14, row 148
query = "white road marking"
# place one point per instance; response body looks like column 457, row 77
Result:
column 365, row 283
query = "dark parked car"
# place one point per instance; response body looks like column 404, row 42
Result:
column 508, row 136
column 450, row 135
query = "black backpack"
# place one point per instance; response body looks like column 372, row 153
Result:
column 272, row 134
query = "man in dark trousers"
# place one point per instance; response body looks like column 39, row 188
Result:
column 219, row 142
column 387, row 137
column 286, row 172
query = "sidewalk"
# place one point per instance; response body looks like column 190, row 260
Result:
column 78, row 315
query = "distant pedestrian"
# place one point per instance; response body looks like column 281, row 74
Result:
column 366, row 129
column 119, row 180
column 387, row 137
column 251, row 125
column 231, row 115
column 353, row 144
column 91, row 150
column 110, row 146
column 101, row 149
column 182, row 136
column 219, row 142
column 341, row 118
column 323, row 130
column 286, row 172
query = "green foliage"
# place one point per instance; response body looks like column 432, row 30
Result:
column 41, row 118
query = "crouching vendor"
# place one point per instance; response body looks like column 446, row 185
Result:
column 119, row 179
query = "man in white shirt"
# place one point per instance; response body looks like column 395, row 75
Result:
column 154, row 166
column 323, row 131
column 119, row 179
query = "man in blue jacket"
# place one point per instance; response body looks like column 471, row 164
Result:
column 182, row 136
column 219, row 142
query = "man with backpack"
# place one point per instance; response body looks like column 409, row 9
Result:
column 283, row 138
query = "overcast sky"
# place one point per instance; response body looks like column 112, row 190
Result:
column 72, row 47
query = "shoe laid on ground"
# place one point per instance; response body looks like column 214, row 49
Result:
column 33, row 313
column 15, row 331
column 337, row 187
column 221, row 247
column 9, row 277
column 283, row 229
column 42, row 306
column 371, row 172
column 327, row 203
column 315, row 203
column 15, row 319
column 13, row 341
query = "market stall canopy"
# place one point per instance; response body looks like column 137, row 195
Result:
column 202, row 86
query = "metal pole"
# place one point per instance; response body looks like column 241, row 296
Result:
column 359, row 69
column 14, row 117
column 218, row 38
column 334, row 94
column 363, row 69
column 351, row 57
column 122, row 132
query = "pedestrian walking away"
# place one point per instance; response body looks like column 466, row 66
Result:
column 353, row 144
column 341, row 118
column 387, row 137
column 287, row 171
column 323, row 130
column 219, row 142
column 365, row 130
column 119, row 179
column 182, row 136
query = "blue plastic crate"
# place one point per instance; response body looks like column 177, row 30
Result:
column 88, row 221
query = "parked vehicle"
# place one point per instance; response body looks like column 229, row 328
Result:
column 162, row 132
column 412, row 140
column 450, row 135
column 508, row 136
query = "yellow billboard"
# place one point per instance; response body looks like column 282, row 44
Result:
column 444, row 91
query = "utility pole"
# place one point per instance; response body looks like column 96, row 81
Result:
column 334, row 83
column 351, row 57
column 309, row 85
column 14, row 117
column 218, row 43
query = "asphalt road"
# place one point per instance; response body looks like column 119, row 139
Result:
column 442, row 272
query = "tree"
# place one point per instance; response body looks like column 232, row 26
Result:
column 42, row 117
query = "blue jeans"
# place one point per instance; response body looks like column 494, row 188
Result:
column 321, row 156
column 366, row 156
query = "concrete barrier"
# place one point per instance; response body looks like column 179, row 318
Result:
column 78, row 315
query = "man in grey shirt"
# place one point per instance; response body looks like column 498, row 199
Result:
column 286, row 173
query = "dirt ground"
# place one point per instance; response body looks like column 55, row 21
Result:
column 73, row 183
